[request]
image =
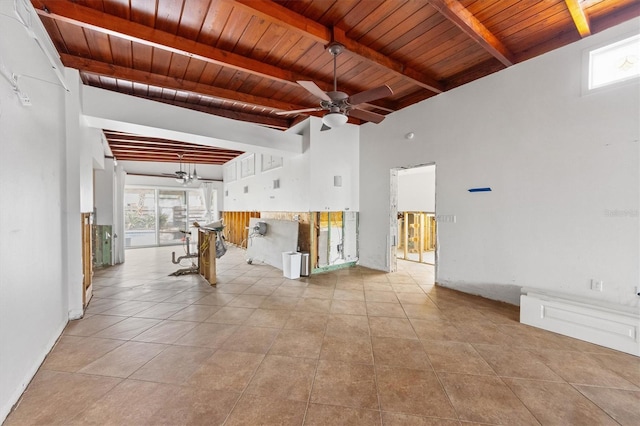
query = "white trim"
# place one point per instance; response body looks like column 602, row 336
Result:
column 597, row 323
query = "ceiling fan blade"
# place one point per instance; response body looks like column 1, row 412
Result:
column 314, row 90
column 370, row 95
column 366, row 115
column 298, row 111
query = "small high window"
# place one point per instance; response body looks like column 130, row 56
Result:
column 614, row 63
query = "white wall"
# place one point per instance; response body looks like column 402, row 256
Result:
column 416, row 189
column 306, row 180
column 558, row 162
column 33, row 293
column 104, row 184
column 334, row 152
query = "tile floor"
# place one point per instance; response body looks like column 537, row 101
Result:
column 351, row 347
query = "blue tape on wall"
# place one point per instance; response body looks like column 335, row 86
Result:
column 480, row 189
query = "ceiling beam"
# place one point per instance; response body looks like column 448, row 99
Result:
column 392, row 65
column 291, row 20
column 138, row 76
column 92, row 19
column 284, row 17
column 472, row 27
column 580, row 19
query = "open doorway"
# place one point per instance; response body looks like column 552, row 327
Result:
column 413, row 222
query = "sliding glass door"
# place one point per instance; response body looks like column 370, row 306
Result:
column 159, row 216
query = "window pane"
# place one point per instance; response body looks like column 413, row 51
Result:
column 140, row 217
column 172, row 208
column 197, row 208
column 617, row 62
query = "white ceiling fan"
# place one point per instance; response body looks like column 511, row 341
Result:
column 339, row 104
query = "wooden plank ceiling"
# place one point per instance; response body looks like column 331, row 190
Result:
column 241, row 59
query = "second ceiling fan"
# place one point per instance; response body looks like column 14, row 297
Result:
column 339, row 104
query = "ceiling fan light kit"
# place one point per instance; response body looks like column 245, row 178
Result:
column 339, row 104
column 334, row 119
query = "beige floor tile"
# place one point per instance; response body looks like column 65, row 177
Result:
column 622, row 405
column 625, row 365
column 130, row 403
column 298, row 343
column 348, row 307
column 435, row 329
column 216, row 299
column 190, row 406
column 417, row 392
column 247, row 301
column 415, row 299
column 312, row 304
column 72, row 353
column 517, row 363
column 99, row 305
column 167, row 332
column 406, row 353
column 266, row 411
column 251, row 339
column 396, row 419
column 391, row 327
column 174, row 365
column 273, row 318
column 312, row 321
column 383, row 309
column 231, row 315
column 54, row 398
column 357, row 325
column 129, row 308
column 197, row 313
column 422, row 311
column 280, row 302
column 323, row 415
column 161, row 310
column 318, row 292
column 345, row 384
column 261, row 289
column 90, row 326
column 226, row 371
column 186, row 297
column 208, row 335
column 485, row 399
column 381, row 296
column 289, row 291
column 124, row 360
column 340, row 294
column 347, row 348
column 283, row 377
column 127, row 329
column 456, row 357
column 548, row 401
column 582, row 369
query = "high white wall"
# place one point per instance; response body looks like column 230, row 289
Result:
column 416, row 189
column 33, row 294
column 306, row 180
column 563, row 167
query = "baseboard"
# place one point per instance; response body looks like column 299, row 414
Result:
column 604, row 325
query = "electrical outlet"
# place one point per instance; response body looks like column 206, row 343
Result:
column 597, row 285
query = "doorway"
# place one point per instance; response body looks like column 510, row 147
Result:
column 413, row 227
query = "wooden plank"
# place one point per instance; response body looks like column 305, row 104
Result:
column 91, row 19
column 395, row 67
column 470, row 25
column 160, row 80
column 271, row 11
